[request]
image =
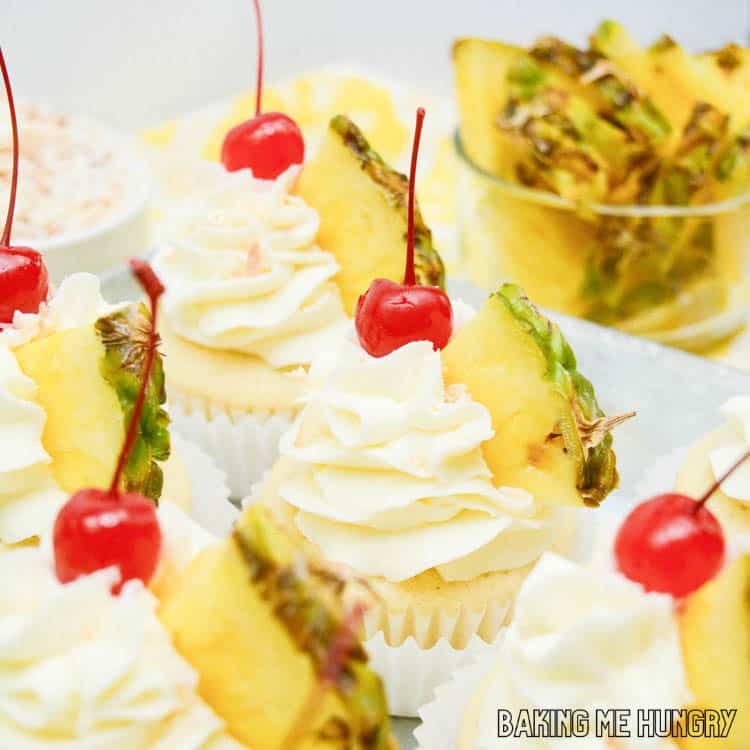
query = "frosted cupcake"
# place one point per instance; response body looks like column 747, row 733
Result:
column 651, row 629
column 250, row 300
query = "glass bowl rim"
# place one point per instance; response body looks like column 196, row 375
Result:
column 581, row 207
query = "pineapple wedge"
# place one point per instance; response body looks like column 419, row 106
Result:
column 715, row 635
column 258, row 624
column 551, row 438
column 87, row 382
column 362, row 205
column 482, row 69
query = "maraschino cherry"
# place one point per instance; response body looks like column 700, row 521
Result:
column 23, row 276
column 390, row 315
column 99, row 529
column 269, row 143
column 673, row 543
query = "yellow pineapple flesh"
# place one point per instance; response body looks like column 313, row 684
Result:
column 257, row 623
column 551, row 438
column 362, row 205
column 715, row 635
column 84, row 429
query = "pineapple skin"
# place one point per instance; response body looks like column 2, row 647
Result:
column 87, row 381
column 257, row 635
column 362, row 204
column 715, row 636
column 518, row 364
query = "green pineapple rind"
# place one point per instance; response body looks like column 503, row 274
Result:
column 307, row 602
column 124, row 334
column 428, row 265
column 597, row 465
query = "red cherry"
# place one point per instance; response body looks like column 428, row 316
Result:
column 98, row 529
column 670, row 544
column 269, row 143
column 390, row 315
column 23, row 281
column 23, row 276
column 673, row 543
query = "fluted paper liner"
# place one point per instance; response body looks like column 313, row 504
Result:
column 210, row 506
column 243, row 444
column 443, row 716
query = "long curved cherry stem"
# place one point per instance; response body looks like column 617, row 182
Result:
column 259, row 82
column 5, row 239
column 409, row 277
column 153, row 287
column 715, row 486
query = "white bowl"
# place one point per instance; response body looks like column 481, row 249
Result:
column 105, row 245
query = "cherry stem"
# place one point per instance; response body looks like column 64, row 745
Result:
column 5, row 239
column 153, row 287
column 342, row 644
column 715, row 486
column 409, row 277
column 259, row 82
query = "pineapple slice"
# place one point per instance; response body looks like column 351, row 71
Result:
column 715, row 634
column 551, row 438
column 362, row 205
column 258, row 624
column 482, row 70
column 87, row 382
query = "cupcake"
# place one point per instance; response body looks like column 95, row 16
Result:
column 441, row 477
column 261, row 279
column 711, row 456
column 651, row 631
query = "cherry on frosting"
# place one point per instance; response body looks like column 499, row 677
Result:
column 390, row 315
column 24, row 281
column 269, row 143
column 673, row 543
column 97, row 528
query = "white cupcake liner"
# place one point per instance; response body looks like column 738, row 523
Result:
column 243, row 444
column 210, row 505
column 443, row 716
column 411, row 674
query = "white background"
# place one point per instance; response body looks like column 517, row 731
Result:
column 135, row 62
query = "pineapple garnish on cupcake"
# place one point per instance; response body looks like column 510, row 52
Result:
column 710, row 456
column 262, row 278
column 69, row 369
column 394, row 467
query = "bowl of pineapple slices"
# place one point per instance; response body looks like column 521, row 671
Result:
column 611, row 181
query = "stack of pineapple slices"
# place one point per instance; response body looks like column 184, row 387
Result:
column 551, row 437
column 611, row 124
column 87, row 381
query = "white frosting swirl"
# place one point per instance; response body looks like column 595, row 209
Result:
column 243, row 273
column 583, row 639
column 389, row 476
column 731, row 448
column 85, row 670
column 29, row 495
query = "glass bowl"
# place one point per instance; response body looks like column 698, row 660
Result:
column 671, row 273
